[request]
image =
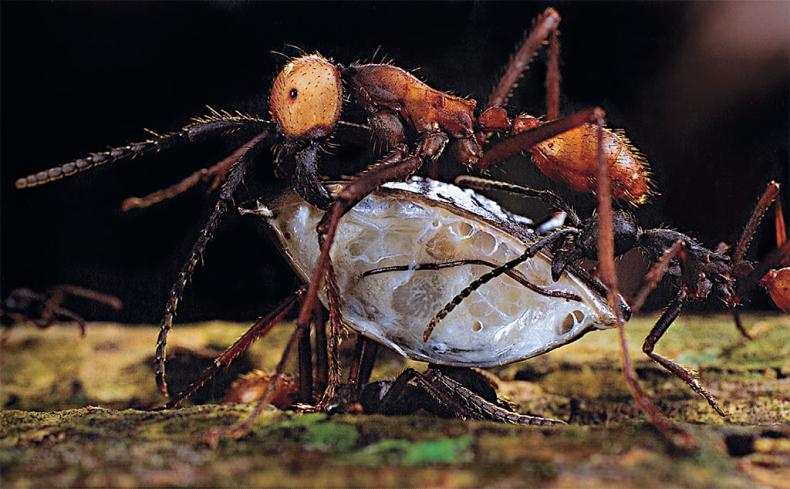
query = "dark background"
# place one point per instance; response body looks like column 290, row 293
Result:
column 702, row 89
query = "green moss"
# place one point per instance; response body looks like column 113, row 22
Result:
column 410, row 453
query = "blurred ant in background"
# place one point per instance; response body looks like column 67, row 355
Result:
column 45, row 309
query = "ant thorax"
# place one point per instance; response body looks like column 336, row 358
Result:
column 428, row 222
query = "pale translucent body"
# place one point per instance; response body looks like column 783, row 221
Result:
column 429, row 222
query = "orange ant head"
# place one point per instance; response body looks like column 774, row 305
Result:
column 307, row 97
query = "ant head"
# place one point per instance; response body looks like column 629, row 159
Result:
column 306, row 98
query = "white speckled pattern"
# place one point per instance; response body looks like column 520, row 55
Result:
column 428, row 222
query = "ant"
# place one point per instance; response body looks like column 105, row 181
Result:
column 694, row 270
column 46, row 309
column 412, row 122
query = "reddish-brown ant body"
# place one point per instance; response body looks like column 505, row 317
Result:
column 408, row 118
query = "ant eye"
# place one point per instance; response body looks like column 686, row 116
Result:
column 293, row 93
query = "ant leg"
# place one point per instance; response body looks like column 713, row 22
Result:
column 608, row 276
column 394, row 167
column 656, row 273
column 777, row 258
column 515, row 145
column 779, row 224
column 736, row 316
column 62, row 312
column 390, row 402
column 305, row 179
column 365, row 352
column 765, row 201
column 514, row 274
column 217, row 172
column 321, row 360
column 553, row 77
column 242, row 157
column 242, row 429
column 215, row 123
column 335, row 329
column 259, row 329
column 544, row 25
column 106, row 299
column 485, row 409
column 547, row 196
column 488, row 276
column 670, row 314
column 369, row 354
column 305, row 356
column 6, row 335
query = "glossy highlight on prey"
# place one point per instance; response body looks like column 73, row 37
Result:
column 427, row 221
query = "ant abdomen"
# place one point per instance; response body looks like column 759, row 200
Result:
column 571, row 158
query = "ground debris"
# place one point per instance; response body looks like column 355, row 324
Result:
column 48, row 437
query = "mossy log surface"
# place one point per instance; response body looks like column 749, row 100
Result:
column 76, row 412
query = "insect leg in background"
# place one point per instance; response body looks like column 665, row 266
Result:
column 46, row 309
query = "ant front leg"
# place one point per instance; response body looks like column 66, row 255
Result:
column 242, row 158
column 396, row 166
column 670, row 314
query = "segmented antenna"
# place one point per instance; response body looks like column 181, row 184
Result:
column 215, row 122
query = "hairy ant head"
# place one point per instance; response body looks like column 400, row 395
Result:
column 306, row 98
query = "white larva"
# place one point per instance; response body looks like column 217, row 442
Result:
column 424, row 221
